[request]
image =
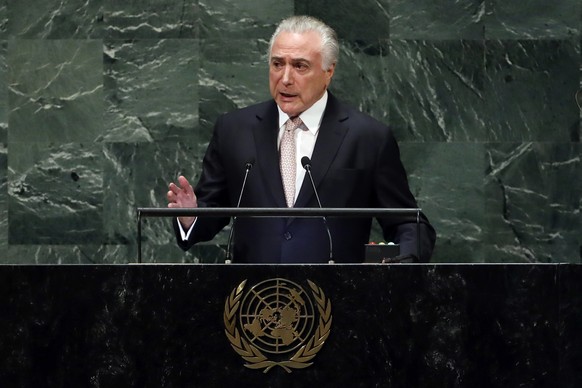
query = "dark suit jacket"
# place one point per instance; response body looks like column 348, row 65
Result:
column 355, row 164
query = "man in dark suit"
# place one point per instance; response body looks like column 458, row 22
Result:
column 355, row 164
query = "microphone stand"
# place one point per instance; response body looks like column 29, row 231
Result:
column 228, row 259
column 307, row 166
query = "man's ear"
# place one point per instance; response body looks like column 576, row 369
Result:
column 330, row 72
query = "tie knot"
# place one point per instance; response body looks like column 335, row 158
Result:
column 293, row 123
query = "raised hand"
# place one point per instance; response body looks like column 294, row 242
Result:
column 182, row 196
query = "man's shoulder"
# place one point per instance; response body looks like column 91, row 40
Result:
column 247, row 118
column 260, row 109
column 346, row 111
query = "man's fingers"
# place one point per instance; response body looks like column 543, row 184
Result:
column 185, row 185
column 173, row 188
column 181, row 195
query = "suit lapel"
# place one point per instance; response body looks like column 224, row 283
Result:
column 266, row 133
column 331, row 134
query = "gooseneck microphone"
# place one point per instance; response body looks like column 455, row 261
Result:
column 306, row 163
column 248, row 166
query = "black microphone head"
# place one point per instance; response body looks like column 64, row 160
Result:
column 250, row 164
column 306, row 162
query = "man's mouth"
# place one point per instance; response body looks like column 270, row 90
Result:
column 288, row 95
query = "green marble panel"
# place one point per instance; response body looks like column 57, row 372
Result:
column 234, row 73
column 532, row 205
column 3, row 18
column 108, row 254
column 437, row 90
column 3, row 150
column 55, row 19
column 69, row 254
column 447, row 181
column 361, row 77
column 151, row 89
column 530, row 89
column 3, row 197
column 55, row 193
column 3, row 95
column 56, row 90
column 151, row 19
column 237, row 19
column 532, row 19
column 137, row 175
column 352, row 20
column 437, row 20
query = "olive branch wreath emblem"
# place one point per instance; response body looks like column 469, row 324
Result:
column 254, row 357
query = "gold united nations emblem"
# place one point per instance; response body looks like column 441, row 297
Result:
column 277, row 323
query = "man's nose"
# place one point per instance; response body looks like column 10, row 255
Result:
column 287, row 75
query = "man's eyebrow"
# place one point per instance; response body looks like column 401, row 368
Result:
column 292, row 60
column 295, row 60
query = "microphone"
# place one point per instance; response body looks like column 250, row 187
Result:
column 306, row 163
column 248, row 167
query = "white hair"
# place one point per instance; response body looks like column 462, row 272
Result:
column 302, row 24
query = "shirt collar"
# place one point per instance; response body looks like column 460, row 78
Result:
column 311, row 117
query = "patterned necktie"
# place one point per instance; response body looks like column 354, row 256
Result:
column 288, row 162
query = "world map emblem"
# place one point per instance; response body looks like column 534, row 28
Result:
column 277, row 322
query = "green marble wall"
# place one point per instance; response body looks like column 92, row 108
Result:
column 102, row 103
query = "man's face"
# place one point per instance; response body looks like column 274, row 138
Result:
column 296, row 76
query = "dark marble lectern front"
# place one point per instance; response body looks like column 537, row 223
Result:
column 402, row 325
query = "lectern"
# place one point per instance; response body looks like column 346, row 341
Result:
column 216, row 325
